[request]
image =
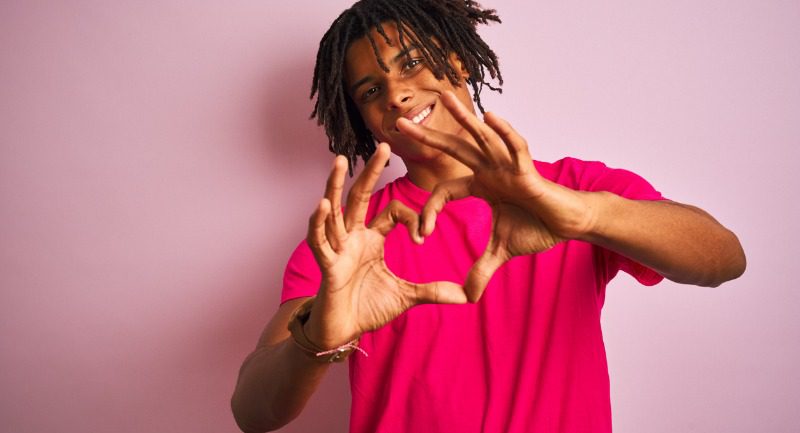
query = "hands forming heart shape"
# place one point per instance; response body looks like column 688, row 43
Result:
column 530, row 214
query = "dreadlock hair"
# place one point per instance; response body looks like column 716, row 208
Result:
column 436, row 27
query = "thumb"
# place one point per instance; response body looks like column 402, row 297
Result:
column 480, row 274
column 438, row 292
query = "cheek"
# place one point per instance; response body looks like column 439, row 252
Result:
column 374, row 122
column 375, row 126
column 369, row 121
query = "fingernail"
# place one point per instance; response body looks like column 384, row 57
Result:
column 337, row 159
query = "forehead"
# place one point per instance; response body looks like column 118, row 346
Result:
column 360, row 57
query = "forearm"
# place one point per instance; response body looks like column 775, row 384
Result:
column 275, row 382
column 683, row 243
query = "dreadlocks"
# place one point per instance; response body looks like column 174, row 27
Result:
column 436, row 27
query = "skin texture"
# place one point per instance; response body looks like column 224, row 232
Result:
column 454, row 154
column 358, row 292
column 406, row 89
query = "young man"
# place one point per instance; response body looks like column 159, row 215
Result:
column 510, row 256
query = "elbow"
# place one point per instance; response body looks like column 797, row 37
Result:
column 245, row 427
column 732, row 272
column 252, row 421
column 244, row 424
column 740, row 265
column 732, row 267
column 714, row 268
column 737, row 261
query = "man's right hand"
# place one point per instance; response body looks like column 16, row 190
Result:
column 358, row 292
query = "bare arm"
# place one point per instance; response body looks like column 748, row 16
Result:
column 679, row 241
column 276, row 379
column 357, row 294
column 531, row 214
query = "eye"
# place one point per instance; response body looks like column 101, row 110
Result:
column 369, row 92
column 412, row 63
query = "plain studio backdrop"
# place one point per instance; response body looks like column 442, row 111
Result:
column 158, row 167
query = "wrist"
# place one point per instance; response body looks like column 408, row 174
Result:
column 600, row 207
column 300, row 336
column 320, row 332
column 567, row 213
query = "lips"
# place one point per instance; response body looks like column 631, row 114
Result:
column 419, row 115
column 422, row 115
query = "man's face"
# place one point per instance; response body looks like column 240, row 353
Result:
column 408, row 90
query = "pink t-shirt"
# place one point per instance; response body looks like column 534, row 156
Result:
column 528, row 357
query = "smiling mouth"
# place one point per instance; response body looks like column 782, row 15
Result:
column 421, row 116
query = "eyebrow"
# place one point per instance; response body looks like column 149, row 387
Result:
column 400, row 55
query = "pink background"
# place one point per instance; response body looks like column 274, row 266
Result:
column 157, row 168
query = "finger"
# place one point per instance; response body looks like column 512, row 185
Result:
column 515, row 143
column 480, row 274
column 334, row 226
column 397, row 212
column 453, row 145
column 360, row 192
column 485, row 136
column 316, row 234
column 441, row 195
column 439, row 292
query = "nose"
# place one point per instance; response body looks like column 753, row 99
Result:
column 398, row 95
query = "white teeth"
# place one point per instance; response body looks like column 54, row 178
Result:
column 422, row 115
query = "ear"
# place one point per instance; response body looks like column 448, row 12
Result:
column 459, row 65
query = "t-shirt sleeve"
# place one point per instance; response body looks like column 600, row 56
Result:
column 631, row 186
column 302, row 275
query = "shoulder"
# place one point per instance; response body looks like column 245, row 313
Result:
column 572, row 172
column 597, row 176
